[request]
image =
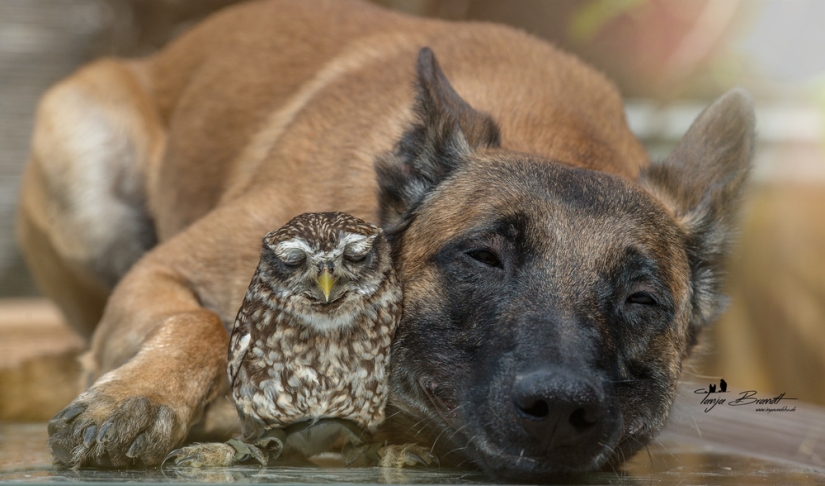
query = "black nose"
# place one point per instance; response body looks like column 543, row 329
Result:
column 557, row 408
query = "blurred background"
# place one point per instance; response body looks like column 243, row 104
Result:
column 669, row 58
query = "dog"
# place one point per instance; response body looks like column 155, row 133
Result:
column 554, row 280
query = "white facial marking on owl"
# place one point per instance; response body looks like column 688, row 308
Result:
column 355, row 245
column 290, row 249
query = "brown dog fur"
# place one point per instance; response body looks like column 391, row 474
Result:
column 151, row 182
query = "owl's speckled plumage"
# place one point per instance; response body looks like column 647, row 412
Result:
column 297, row 354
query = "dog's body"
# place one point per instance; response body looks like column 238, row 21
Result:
column 551, row 280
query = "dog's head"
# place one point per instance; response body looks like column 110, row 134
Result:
column 548, row 309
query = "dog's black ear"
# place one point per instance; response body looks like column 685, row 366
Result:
column 447, row 129
column 702, row 182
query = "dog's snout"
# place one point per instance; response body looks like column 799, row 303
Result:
column 557, row 408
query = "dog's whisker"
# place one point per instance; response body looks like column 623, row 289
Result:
column 649, row 455
column 457, row 431
column 413, row 426
column 392, row 415
column 436, row 439
column 666, row 449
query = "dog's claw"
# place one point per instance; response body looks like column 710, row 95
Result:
column 137, row 447
column 407, row 455
column 64, row 417
column 89, row 436
column 103, row 434
column 71, row 412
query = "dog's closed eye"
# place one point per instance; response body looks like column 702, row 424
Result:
column 642, row 298
column 487, row 257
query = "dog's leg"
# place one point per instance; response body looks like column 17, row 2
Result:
column 73, row 286
column 83, row 223
column 82, row 220
column 169, row 358
column 159, row 352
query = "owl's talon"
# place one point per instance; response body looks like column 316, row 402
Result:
column 259, row 455
column 417, row 458
column 258, row 451
column 407, row 455
column 188, row 461
column 174, row 453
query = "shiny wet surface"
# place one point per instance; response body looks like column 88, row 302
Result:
column 674, row 460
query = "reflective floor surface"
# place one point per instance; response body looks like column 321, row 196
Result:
column 723, row 446
column 23, row 458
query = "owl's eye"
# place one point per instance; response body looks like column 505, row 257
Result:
column 355, row 257
column 294, row 259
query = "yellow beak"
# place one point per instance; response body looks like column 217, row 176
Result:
column 325, row 283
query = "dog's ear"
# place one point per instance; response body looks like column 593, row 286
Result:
column 447, row 129
column 701, row 182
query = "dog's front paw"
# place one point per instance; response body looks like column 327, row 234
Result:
column 406, row 455
column 100, row 429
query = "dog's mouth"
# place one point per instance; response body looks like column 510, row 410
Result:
column 443, row 400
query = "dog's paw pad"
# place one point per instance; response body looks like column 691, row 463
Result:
column 407, row 455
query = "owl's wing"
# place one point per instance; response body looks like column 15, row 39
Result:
column 238, row 342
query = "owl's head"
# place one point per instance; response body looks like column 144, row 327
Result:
column 325, row 265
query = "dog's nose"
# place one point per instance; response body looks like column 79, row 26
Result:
column 557, row 408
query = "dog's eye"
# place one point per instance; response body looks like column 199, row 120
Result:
column 486, row 257
column 642, row 298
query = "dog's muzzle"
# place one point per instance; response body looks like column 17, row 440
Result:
column 559, row 413
column 544, row 422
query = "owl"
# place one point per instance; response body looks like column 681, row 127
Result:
column 312, row 337
column 310, row 346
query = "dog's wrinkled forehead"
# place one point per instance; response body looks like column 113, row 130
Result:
column 555, row 208
column 322, row 232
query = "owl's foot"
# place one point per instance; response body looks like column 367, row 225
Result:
column 221, row 454
column 213, row 454
column 406, row 455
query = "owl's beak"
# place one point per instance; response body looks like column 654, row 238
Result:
column 325, row 282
